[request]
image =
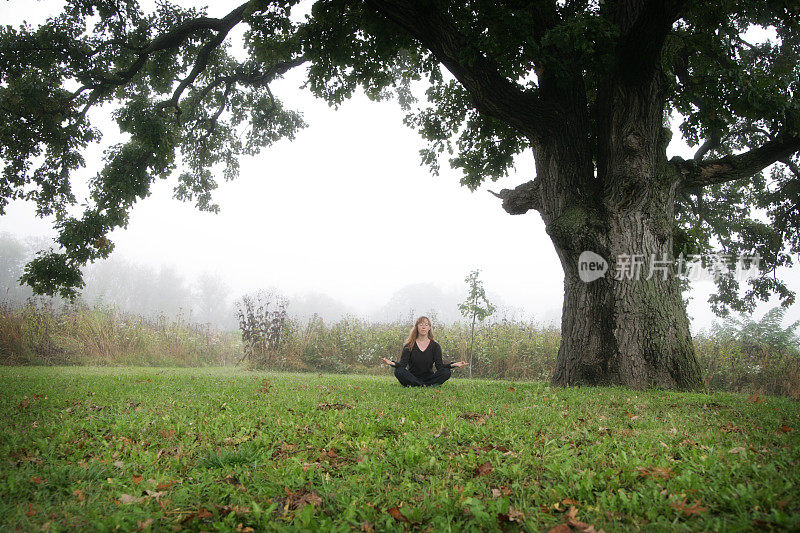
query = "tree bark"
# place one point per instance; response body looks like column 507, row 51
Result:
column 628, row 327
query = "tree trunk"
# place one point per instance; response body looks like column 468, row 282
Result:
column 630, row 331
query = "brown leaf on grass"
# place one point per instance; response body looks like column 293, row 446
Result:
column 398, row 515
column 484, row 469
column 78, row 493
column 655, row 471
column 167, row 433
column 511, row 389
column 144, row 524
column 238, row 510
column 119, row 464
column 231, row 479
column 687, row 509
column 502, row 491
column 136, row 478
column 512, row 515
column 201, row 512
column 478, row 418
column 366, row 527
column 154, row 494
column 785, row 428
column 560, row 528
column 31, row 511
column 738, row 449
column 572, row 522
column 730, row 428
column 127, row 499
column 46, row 526
column 38, row 480
column 335, row 406
column 296, row 500
column 570, row 502
column 754, row 398
column 327, row 455
column 165, row 485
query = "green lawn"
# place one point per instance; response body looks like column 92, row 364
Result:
column 226, row 449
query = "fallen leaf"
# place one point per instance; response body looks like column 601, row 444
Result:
column 730, row 428
column 46, row 526
column 484, row 469
column 136, row 479
column 754, row 398
column 119, row 464
column 238, row 510
column 335, row 406
column 296, row 500
column 78, row 493
column 398, row 515
column 31, row 511
column 560, row 528
column 154, row 494
column 687, row 509
column 785, row 428
column 165, row 485
column 502, row 491
column 201, row 512
column 127, row 499
column 512, row 515
column 738, row 449
column 366, row 527
column 144, row 524
column 38, row 480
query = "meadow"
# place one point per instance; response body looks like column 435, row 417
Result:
column 229, row 449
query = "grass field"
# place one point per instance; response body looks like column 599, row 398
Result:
column 226, row 449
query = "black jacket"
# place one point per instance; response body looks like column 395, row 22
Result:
column 420, row 363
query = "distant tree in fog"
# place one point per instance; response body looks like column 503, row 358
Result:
column 211, row 299
column 304, row 306
column 13, row 256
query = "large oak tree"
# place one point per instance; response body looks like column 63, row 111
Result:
column 587, row 85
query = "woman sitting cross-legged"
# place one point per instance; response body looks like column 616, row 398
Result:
column 420, row 354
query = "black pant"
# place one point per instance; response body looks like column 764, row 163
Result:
column 407, row 379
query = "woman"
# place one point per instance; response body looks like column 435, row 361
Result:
column 420, row 354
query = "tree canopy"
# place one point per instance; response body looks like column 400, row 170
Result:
column 500, row 75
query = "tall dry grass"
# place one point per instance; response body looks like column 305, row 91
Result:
column 744, row 356
column 37, row 332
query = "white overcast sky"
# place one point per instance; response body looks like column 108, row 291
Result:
column 346, row 210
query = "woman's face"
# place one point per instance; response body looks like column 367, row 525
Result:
column 424, row 327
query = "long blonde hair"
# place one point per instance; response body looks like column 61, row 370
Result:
column 414, row 333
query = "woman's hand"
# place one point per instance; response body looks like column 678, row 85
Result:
column 386, row 361
column 459, row 364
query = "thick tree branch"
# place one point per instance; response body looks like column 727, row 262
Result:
column 521, row 198
column 168, row 40
column 711, row 143
column 734, row 167
column 645, row 25
column 492, row 93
